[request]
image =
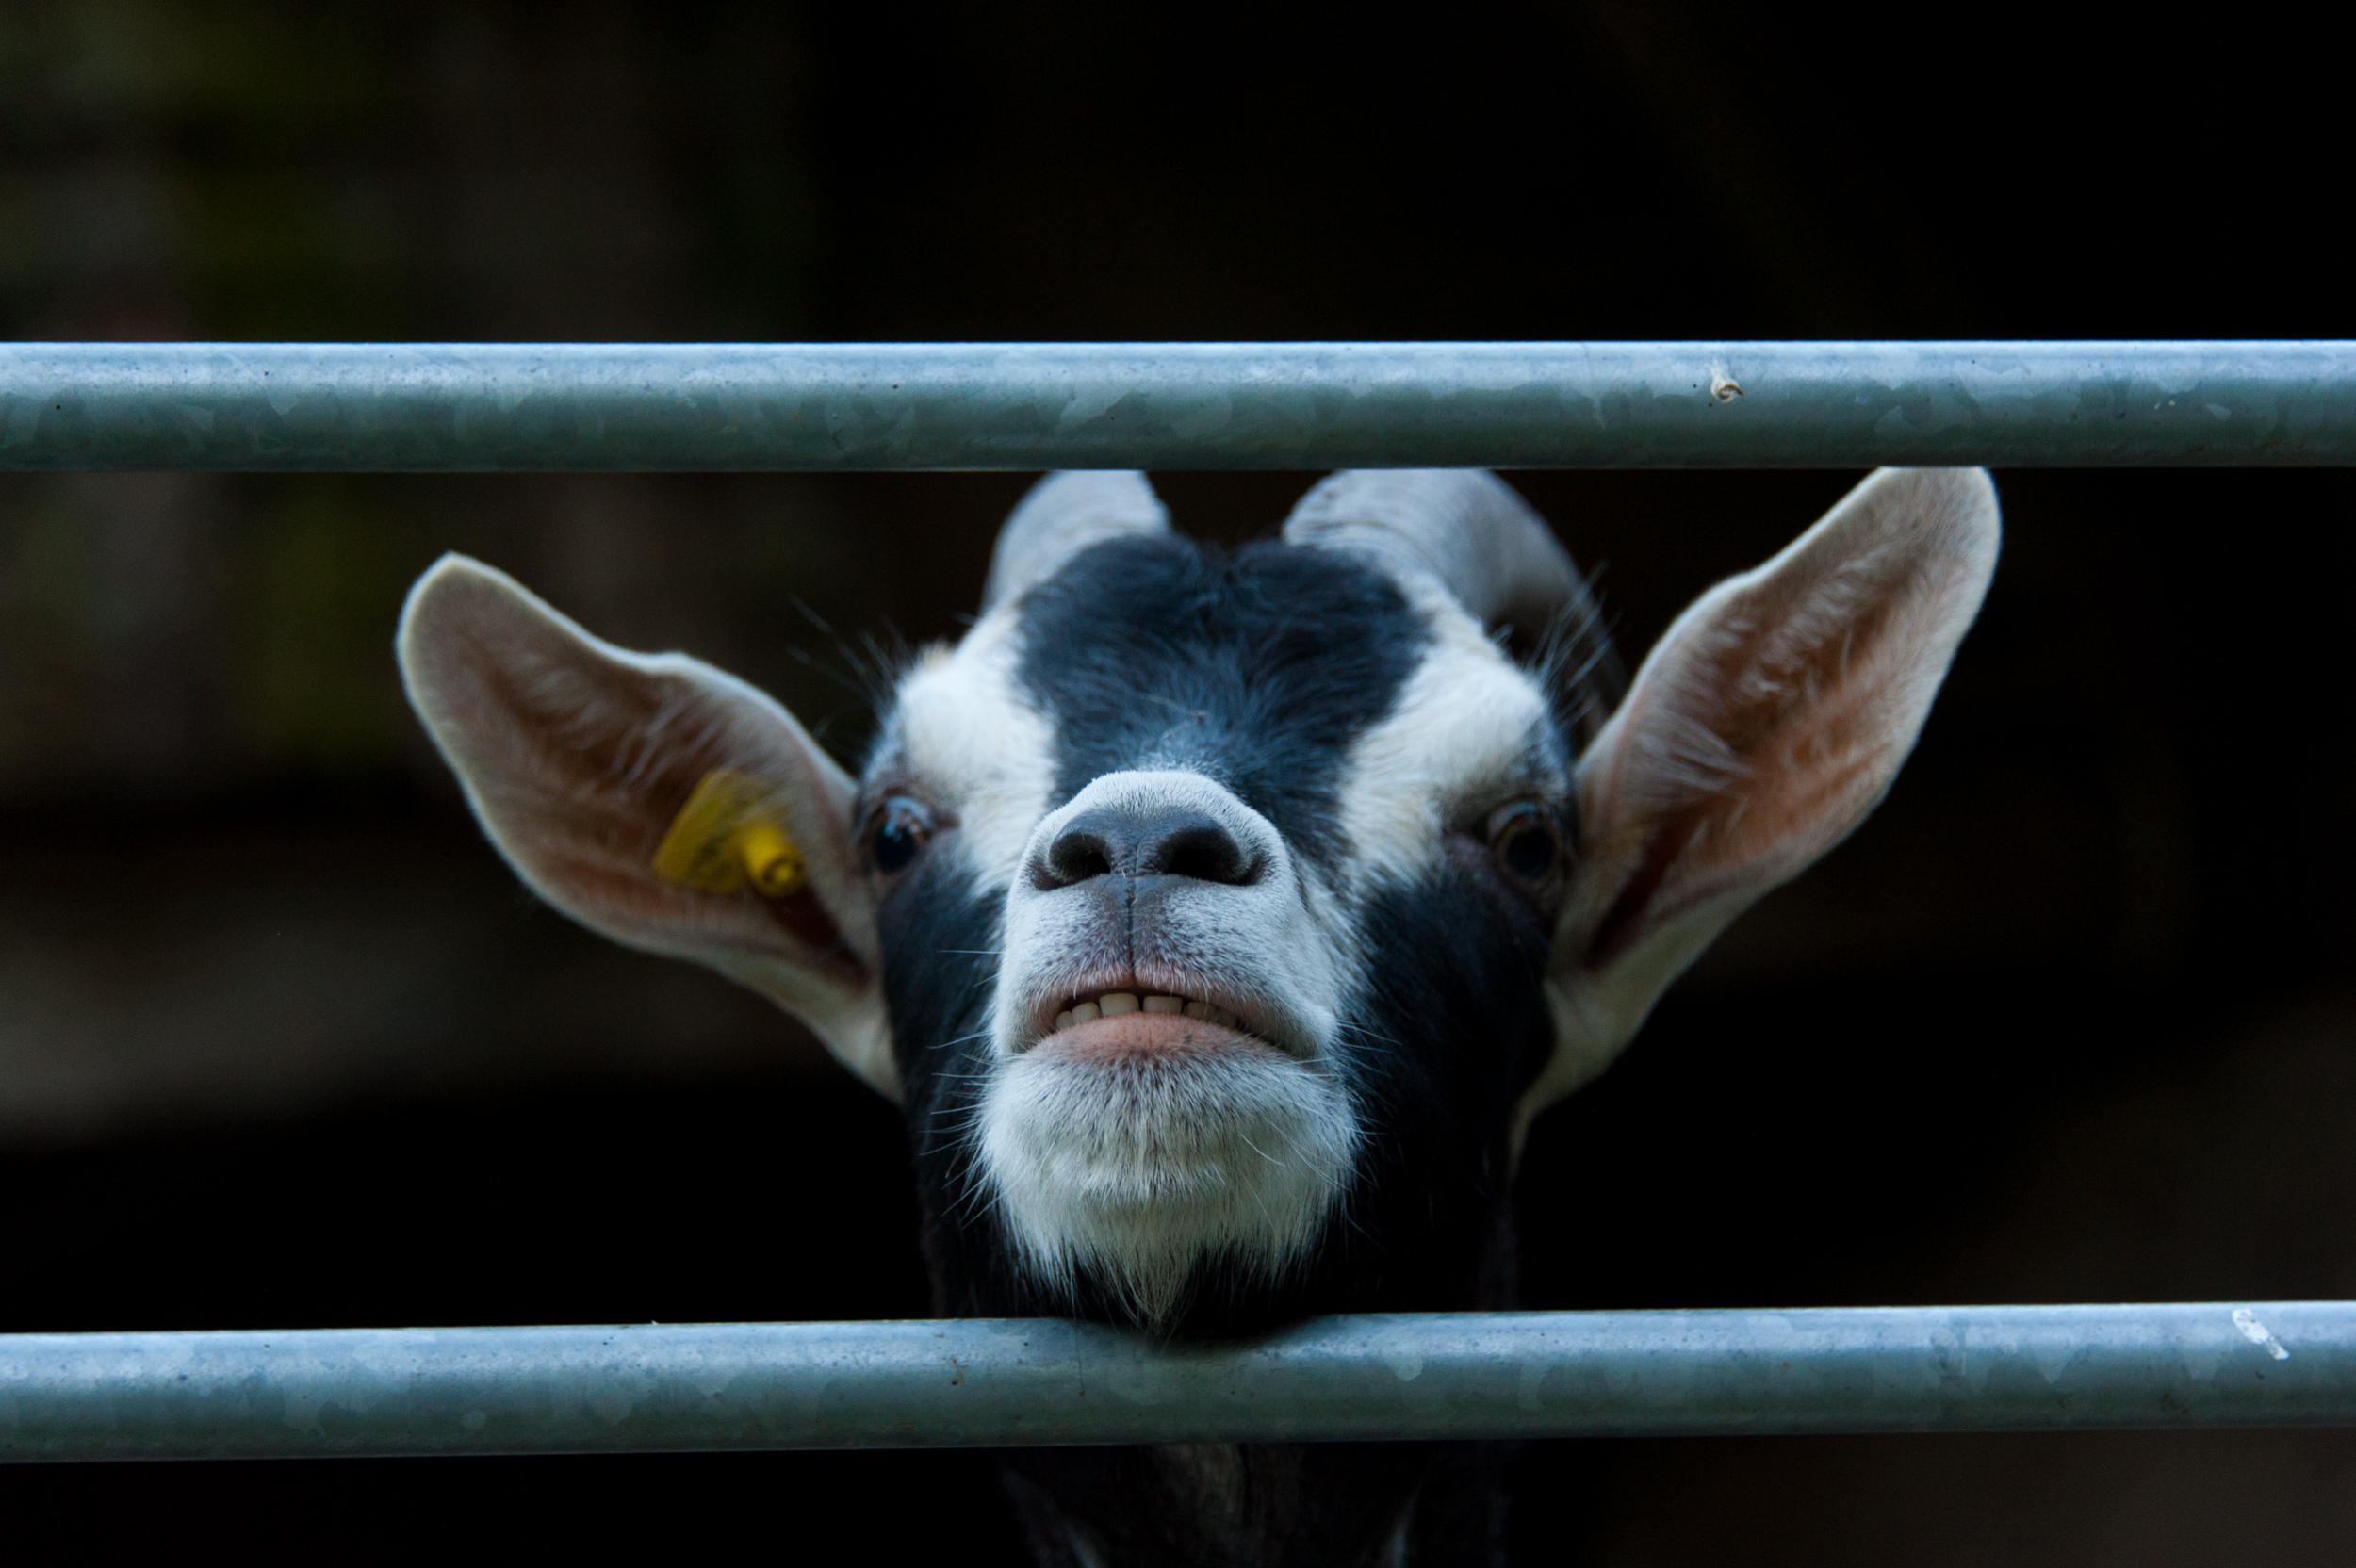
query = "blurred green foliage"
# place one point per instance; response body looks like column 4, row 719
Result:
column 258, row 169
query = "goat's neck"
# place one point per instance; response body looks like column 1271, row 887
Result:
column 1261, row 1506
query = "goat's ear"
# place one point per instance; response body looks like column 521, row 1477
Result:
column 1763, row 726
column 654, row 799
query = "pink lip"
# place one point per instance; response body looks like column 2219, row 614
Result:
column 1140, row 1034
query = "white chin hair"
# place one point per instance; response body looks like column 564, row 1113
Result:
column 1136, row 1169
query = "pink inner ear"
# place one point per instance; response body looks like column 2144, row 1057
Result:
column 611, row 777
column 1777, row 712
column 1808, row 727
column 806, row 921
column 1803, row 745
column 583, row 760
column 578, row 757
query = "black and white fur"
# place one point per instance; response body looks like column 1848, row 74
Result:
column 1290, row 786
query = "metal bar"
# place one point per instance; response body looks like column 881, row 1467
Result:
column 1000, row 1382
column 479, row 407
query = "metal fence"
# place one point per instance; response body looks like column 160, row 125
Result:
column 1036, row 1381
column 454, row 407
column 1188, row 405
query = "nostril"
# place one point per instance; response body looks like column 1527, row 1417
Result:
column 1159, row 840
column 1076, row 856
column 1208, row 853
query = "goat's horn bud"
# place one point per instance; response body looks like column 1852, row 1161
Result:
column 1064, row 515
column 1464, row 528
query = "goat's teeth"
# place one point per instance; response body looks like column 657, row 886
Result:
column 1122, row 1003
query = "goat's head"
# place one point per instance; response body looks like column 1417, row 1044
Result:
column 1222, row 919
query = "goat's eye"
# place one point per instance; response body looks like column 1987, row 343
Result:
column 895, row 831
column 1525, row 841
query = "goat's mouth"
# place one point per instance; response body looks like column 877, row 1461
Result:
column 1125, row 1014
column 1118, row 1003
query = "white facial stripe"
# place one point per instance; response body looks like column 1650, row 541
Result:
column 1461, row 732
column 966, row 732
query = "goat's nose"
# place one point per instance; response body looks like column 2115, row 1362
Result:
column 1146, row 842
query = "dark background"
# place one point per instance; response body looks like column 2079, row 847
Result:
column 281, row 1044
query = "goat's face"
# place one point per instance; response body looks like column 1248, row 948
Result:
column 1209, row 852
column 1222, row 918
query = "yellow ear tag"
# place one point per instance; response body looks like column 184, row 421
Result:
column 728, row 836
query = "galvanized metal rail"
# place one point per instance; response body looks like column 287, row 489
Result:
column 979, row 1383
column 421, row 406
column 478, row 407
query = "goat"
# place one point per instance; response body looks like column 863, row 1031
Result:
column 1221, row 921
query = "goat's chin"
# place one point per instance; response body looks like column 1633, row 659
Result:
column 1134, row 1167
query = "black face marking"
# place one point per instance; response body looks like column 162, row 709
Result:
column 1257, row 669
column 1438, row 1049
column 1261, row 670
column 1453, row 1032
column 940, row 935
